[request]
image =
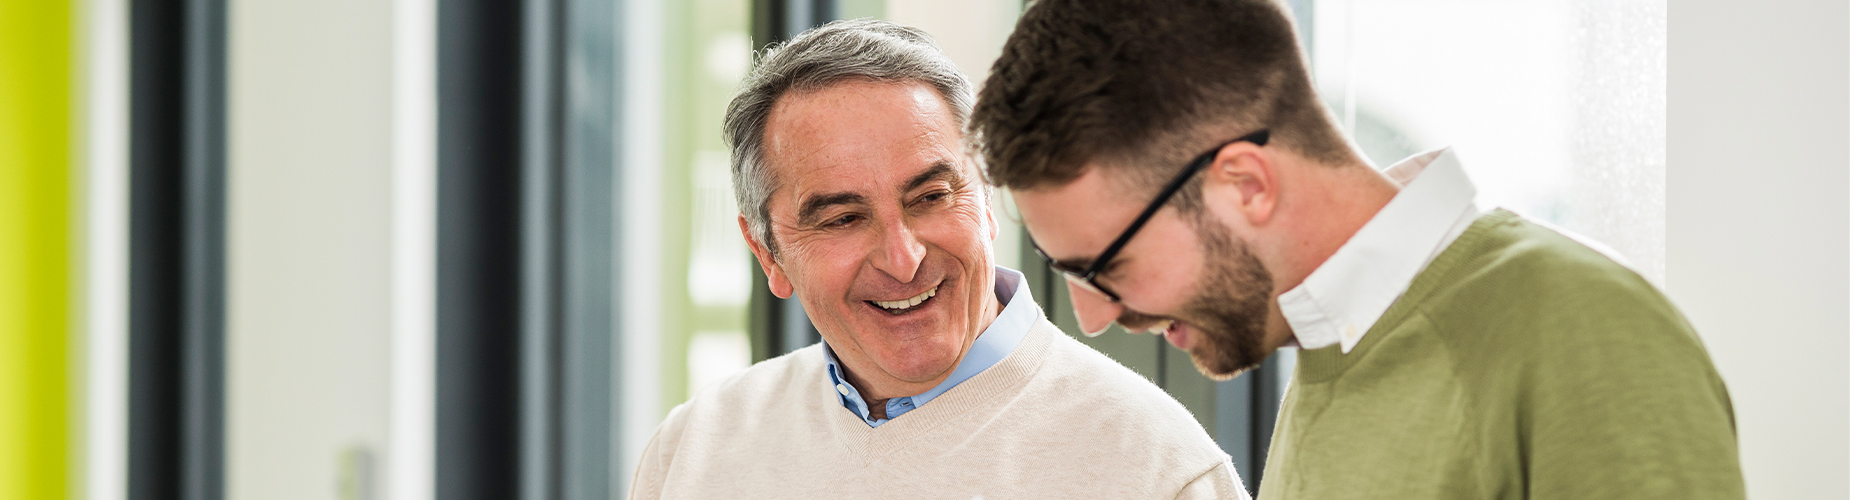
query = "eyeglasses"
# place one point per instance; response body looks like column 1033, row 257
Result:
column 1088, row 278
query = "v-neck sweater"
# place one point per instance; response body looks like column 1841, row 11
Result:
column 1053, row 419
column 1519, row 365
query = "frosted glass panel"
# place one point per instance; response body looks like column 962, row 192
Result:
column 1556, row 108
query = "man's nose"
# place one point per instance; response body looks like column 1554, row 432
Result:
column 1095, row 310
column 900, row 252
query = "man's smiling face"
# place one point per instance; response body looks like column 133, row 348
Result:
column 882, row 230
column 1186, row 277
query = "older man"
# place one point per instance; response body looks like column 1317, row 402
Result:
column 937, row 377
column 1173, row 159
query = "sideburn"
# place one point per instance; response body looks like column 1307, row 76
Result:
column 1231, row 305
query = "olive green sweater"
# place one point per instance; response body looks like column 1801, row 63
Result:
column 1519, row 364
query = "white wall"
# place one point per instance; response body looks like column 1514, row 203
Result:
column 1758, row 227
column 309, row 244
column 104, row 466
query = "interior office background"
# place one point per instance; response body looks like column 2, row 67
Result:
column 413, row 250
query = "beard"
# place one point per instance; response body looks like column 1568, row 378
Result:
column 1229, row 309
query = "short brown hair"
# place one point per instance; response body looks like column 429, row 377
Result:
column 1145, row 83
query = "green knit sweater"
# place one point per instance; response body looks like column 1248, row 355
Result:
column 1519, row 364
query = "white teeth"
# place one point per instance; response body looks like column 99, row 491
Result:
column 1161, row 327
column 908, row 303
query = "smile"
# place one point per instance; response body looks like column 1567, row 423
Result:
column 901, row 306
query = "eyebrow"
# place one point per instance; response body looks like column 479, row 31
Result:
column 813, row 206
column 1069, row 263
column 1087, row 262
column 942, row 170
column 1075, row 263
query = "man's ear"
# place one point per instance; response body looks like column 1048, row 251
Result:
column 773, row 272
column 1242, row 179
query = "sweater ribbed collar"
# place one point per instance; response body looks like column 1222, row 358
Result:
column 1322, row 365
column 1006, row 377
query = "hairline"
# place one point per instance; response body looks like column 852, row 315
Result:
column 912, row 59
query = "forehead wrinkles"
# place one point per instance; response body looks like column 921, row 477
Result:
column 839, row 128
column 827, row 110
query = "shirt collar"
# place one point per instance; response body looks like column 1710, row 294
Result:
column 1019, row 314
column 1342, row 299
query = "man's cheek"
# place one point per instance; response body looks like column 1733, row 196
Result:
column 972, row 210
column 959, row 227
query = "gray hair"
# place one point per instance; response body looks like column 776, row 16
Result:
column 856, row 49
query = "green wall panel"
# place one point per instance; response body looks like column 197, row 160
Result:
column 35, row 248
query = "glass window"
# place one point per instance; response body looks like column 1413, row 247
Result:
column 704, row 294
column 1555, row 108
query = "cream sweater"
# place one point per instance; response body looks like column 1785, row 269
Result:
column 1054, row 419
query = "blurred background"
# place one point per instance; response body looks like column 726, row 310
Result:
column 410, row 250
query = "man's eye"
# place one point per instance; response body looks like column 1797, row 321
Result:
column 934, row 197
column 844, row 220
column 1110, row 272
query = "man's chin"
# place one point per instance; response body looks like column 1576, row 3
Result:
column 1220, row 361
column 922, row 358
column 1220, row 371
column 920, row 369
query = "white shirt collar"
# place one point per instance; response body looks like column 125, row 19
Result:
column 1345, row 296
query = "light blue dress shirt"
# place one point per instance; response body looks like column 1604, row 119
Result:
column 1019, row 313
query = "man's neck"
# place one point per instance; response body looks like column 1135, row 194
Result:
column 1331, row 205
column 890, row 387
column 876, row 409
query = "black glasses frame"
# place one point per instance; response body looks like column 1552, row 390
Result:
column 1088, row 278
